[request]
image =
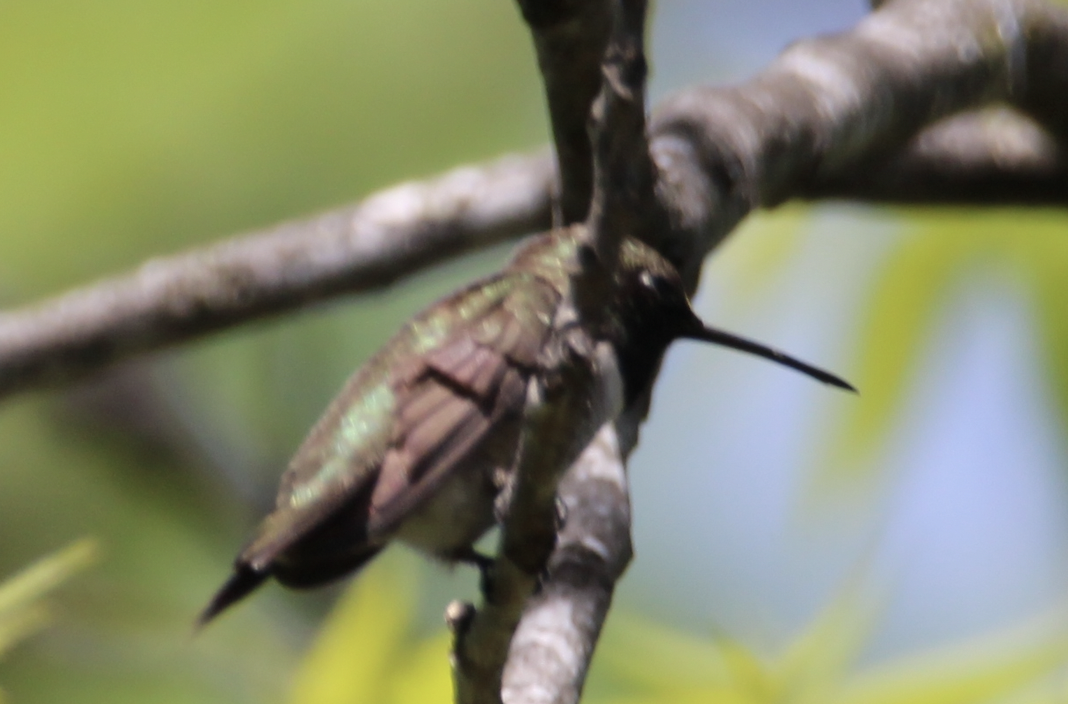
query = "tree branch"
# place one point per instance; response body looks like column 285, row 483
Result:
column 358, row 248
column 624, row 199
column 576, row 390
column 566, row 404
column 978, row 158
column 718, row 155
column 570, row 38
column 826, row 105
column 551, row 650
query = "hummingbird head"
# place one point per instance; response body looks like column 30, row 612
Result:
column 652, row 302
column 652, row 311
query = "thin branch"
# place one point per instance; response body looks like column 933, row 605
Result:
column 576, row 389
column 570, row 38
column 566, row 405
column 362, row 247
column 551, row 650
column 624, row 197
column 624, row 201
column 978, row 158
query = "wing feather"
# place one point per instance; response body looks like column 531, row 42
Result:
column 400, row 427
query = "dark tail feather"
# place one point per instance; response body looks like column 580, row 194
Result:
column 726, row 339
column 241, row 583
column 308, row 575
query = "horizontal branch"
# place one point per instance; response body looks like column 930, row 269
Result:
column 358, row 248
column 979, row 158
column 827, row 105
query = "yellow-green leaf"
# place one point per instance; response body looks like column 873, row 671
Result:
column 981, row 670
column 352, row 657
column 46, row 574
column 21, row 612
column 823, row 654
column 424, row 676
column 1027, row 247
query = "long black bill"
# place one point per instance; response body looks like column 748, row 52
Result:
column 726, row 339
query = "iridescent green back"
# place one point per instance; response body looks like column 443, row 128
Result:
column 345, row 449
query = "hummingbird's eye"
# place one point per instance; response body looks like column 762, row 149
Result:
column 656, row 283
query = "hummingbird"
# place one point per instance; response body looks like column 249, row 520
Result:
column 419, row 445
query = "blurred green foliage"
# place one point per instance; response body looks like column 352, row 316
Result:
column 366, row 653
column 129, row 128
column 641, row 663
column 938, row 249
column 22, row 608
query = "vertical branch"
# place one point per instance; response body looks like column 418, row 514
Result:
column 575, row 391
column 562, row 410
column 624, row 198
column 553, row 645
column 624, row 202
column 569, row 38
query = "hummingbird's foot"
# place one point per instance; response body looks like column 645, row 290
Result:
column 561, row 513
column 545, row 574
column 503, row 485
column 485, row 565
column 539, row 584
